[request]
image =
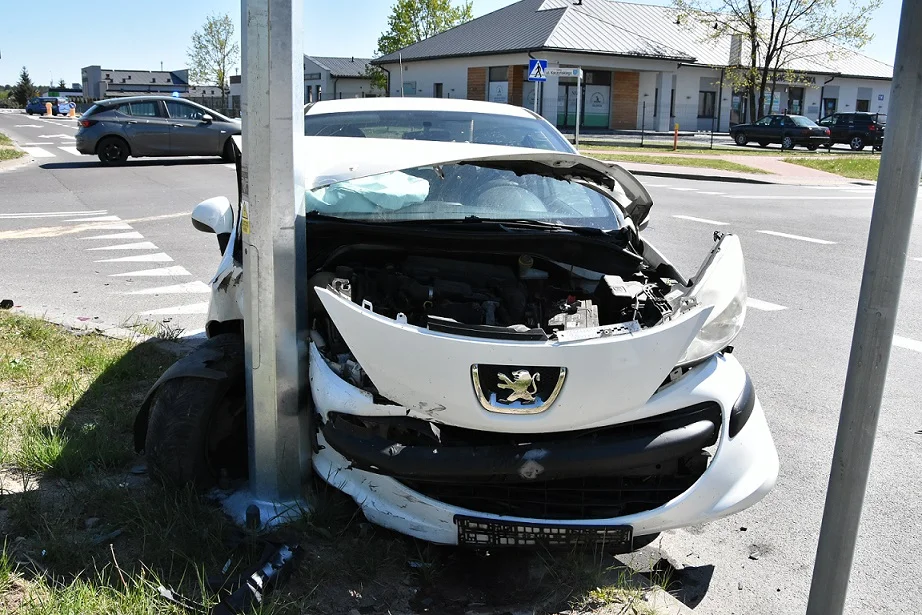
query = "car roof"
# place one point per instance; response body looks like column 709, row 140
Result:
column 347, row 105
column 125, row 99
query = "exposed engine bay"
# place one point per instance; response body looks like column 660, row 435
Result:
column 503, row 297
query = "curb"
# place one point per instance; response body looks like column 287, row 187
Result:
column 707, row 178
column 9, row 165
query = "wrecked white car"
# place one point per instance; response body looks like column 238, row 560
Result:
column 496, row 355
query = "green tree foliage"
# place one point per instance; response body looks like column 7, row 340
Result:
column 776, row 33
column 24, row 90
column 213, row 52
column 62, row 85
column 411, row 21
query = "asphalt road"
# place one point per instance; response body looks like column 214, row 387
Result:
column 804, row 248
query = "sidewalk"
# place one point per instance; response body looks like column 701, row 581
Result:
column 776, row 170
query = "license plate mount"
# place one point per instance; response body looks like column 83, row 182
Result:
column 483, row 532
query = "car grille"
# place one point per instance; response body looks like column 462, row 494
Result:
column 575, row 498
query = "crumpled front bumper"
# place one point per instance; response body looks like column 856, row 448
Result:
column 742, row 471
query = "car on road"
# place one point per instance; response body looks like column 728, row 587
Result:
column 857, row 129
column 139, row 126
column 496, row 355
column 788, row 130
column 433, row 119
column 37, row 105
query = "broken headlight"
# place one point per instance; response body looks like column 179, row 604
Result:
column 721, row 282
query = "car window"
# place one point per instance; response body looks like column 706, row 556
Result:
column 459, row 191
column 777, row 121
column 788, row 122
column 453, row 126
column 827, row 121
column 799, row 120
column 842, row 120
column 142, row 109
column 182, row 111
column 765, row 121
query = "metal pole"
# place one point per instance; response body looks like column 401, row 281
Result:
column 885, row 260
column 579, row 98
column 274, row 246
column 537, row 86
column 643, row 122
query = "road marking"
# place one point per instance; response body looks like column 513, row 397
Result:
column 70, row 150
column 916, row 258
column 713, row 193
column 134, row 235
column 153, row 273
column 234, row 167
column 791, row 197
column 141, row 245
column 51, row 214
column 37, row 152
column 192, row 308
column 57, row 137
column 28, row 125
column 140, row 258
column 176, row 289
column 40, row 143
column 656, row 185
column 765, row 306
column 797, row 237
column 96, row 219
column 704, row 220
column 905, row 342
column 681, row 189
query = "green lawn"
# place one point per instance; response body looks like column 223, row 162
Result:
column 5, row 140
column 705, row 163
column 688, row 149
column 858, row 167
column 8, row 151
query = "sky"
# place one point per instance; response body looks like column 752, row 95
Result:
column 55, row 44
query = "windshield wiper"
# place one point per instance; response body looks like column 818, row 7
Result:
column 512, row 223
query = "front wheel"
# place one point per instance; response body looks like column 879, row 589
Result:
column 741, row 139
column 228, row 154
column 812, row 147
column 197, row 429
column 857, row 143
column 787, row 143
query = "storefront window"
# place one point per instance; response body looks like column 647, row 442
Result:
column 829, row 106
column 862, row 105
column 706, row 103
column 499, row 84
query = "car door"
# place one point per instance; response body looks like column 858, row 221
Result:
column 841, row 130
column 829, row 122
column 190, row 134
column 145, row 127
column 760, row 129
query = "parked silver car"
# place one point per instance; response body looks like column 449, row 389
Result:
column 154, row 126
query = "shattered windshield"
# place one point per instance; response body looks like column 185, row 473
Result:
column 459, row 191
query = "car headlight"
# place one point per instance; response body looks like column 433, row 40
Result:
column 721, row 282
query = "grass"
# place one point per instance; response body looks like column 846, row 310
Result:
column 8, row 151
column 858, row 167
column 82, row 533
column 689, row 149
column 706, row 163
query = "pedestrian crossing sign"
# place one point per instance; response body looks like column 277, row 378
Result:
column 537, row 70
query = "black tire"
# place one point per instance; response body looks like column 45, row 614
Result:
column 741, row 139
column 197, row 425
column 763, row 143
column 112, row 150
column 228, row 154
column 812, row 147
column 787, row 143
column 856, row 143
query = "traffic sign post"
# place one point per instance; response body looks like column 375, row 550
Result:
column 571, row 72
column 537, row 73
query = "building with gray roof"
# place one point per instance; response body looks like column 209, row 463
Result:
column 331, row 78
column 644, row 66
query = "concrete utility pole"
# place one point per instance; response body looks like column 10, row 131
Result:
column 888, row 242
column 274, row 246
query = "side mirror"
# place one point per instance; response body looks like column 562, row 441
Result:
column 207, row 118
column 215, row 215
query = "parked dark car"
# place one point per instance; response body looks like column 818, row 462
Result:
column 37, row 105
column 788, row 130
column 858, row 129
column 138, row 126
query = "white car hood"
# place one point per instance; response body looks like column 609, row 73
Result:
column 606, row 376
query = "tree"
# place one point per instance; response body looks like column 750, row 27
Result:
column 62, row 85
column 213, row 52
column 414, row 20
column 776, row 33
column 25, row 89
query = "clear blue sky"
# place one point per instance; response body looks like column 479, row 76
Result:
column 56, row 42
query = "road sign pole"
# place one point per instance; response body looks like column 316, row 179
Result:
column 885, row 260
column 579, row 98
column 274, row 245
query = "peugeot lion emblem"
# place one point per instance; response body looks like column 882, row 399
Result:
column 517, row 390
